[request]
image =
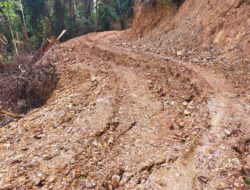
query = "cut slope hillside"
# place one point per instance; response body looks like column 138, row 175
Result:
column 209, row 33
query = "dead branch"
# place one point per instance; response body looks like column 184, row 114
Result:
column 49, row 43
column 10, row 114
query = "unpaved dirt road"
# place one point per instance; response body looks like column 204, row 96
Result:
column 125, row 120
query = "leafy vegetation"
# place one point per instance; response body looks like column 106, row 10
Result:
column 163, row 3
column 25, row 24
column 247, row 181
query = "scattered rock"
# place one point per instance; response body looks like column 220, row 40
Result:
column 203, row 179
column 115, row 181
column 38, row 180
column 93, row 78
column 90, row 184
column 181, row 124
column 194, row 60
column 184, row 103
column 187, row 112
column 51, row 179
column 180, row 53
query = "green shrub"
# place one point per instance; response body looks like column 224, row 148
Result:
column 165, row 3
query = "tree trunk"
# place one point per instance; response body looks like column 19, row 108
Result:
column 97, row 14
column 72, row 9
column 24, row 25
column 48, row 16
column 59, row 11
column 12, row 35
column 88, row 5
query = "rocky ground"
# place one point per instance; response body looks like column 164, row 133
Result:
column 208, row 33
column 125, row 118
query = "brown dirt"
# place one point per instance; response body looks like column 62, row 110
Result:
column 126, row 117
column 213, row 34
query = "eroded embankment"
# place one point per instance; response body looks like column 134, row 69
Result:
column 24, row 86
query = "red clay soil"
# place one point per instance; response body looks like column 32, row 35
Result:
column 128, row 115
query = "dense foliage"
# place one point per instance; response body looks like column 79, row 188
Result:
column 162, row 3
column 25, row 24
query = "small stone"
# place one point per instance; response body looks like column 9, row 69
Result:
column 37, row 180
column 194, row 60
column 203, row 179
column 184, row 103
column 37, row 137
column 93, row 78
column 89, row 185
column 181, row 124
column 190, row 107
column 110, row 140
column 149, row 81
column 51, row 179
column 180, row 53
column 21, row 179
column 124, row 180
column 161, row 182
column 186, row 112
column 115, row 181
column 70, row 105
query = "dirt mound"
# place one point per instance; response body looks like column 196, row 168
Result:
column 25, row 86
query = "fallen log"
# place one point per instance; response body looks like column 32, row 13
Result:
column 10, row 114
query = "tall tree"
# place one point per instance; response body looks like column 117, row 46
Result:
column 7, row 8
column 72, row 9
column 58, row 17
column 48, row 19
column 24, row 25
column 26, row 22
column 88, row 6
